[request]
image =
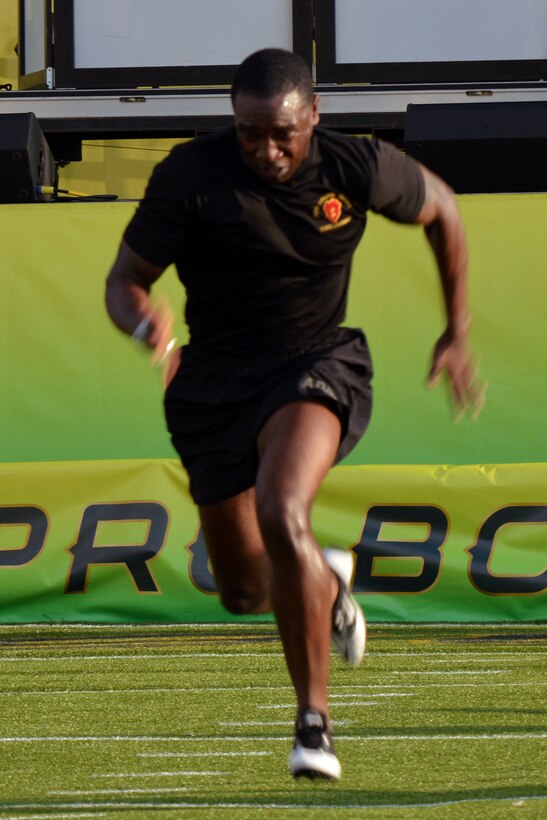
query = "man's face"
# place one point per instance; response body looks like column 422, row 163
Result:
column 274, row 134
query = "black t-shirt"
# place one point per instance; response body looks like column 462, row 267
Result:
column 266, row 266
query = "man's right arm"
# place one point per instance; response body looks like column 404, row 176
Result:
column 406, row 191
column 445, row 232
column 128, row 300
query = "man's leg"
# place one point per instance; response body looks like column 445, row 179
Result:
column 278, row 554
column 238, row 557
column 282, row 564
column 298, row 445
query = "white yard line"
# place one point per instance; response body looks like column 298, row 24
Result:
column 161, row 774
column 334, row 697
column 81, row 793
column 351, row 703
column 189, row 690
column 475, row 672
column 514, row 654
column 41, row 816
column 138, row 657
column 447, row 657
column 236, row 723
column 261, row 738
column 153, row 805
column 427, row 738
column 204, row 754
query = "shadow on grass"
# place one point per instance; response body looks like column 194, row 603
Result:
column 305, row 794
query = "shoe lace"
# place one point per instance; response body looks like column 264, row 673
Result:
column 310, row 737
column 310, row 729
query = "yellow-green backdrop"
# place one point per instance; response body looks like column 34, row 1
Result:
column 447, row 521
column 95, row 518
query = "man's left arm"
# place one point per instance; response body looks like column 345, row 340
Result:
column 444, row 229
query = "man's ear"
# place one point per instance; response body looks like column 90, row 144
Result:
column 315, row 109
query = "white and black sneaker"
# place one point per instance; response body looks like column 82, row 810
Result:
column 313, row 754
column 349, row 628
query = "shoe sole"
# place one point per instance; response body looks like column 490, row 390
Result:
column 314, row 764
column 311, row 774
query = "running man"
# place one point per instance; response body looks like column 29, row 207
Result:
column 262, row 220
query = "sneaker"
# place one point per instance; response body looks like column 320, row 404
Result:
column 313, row 753
column 349, row 628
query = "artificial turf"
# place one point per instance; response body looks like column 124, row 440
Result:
column 167, row 721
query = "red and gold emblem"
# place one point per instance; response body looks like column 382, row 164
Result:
column 332, row 208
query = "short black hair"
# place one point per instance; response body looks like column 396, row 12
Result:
column 273, row 71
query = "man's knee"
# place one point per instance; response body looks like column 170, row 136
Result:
column 284, row 523
column 244, row 602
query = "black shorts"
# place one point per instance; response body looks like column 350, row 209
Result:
column 215, row 409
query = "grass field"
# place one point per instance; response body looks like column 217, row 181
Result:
column 191, row 721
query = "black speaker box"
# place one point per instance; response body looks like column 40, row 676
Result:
column 481, row 147
column 26, row 160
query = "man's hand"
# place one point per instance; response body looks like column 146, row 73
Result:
column 160, row 332
column 156, row 331
column 451, row 356
column 131, row 309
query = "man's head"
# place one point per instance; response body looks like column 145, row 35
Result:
column 275, row 112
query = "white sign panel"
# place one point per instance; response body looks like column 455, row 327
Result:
column 35, row 23
column 155, row 33
column 422, row 31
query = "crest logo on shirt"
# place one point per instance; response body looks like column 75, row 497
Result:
column 332, row 207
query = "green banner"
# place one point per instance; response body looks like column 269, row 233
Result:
column 85, row 456
column 118, row 541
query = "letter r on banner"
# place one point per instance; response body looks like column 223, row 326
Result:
column 85, row 553
column 372, row 547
